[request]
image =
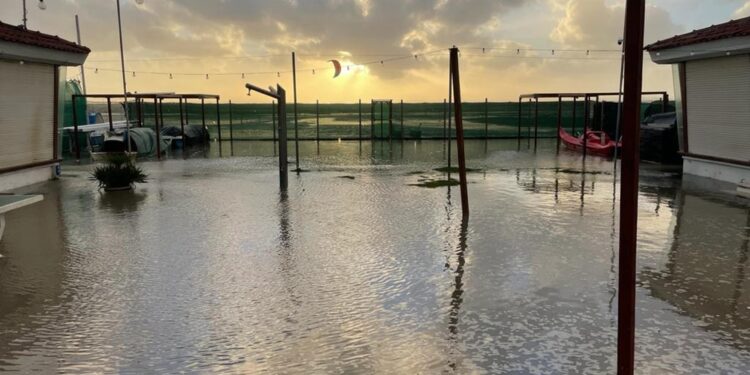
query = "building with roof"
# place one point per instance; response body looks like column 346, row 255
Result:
column 32, row 75
column 711, row 71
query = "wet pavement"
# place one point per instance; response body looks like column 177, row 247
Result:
column 208, row 268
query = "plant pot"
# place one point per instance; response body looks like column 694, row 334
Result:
column 118, row 188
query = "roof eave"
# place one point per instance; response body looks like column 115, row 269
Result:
column 25, row 52
column 700, row 51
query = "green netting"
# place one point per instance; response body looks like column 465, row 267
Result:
column 420, row 120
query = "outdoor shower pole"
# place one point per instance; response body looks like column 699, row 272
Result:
column 279, row 95
column 296, row 132
column 633, row 76
column 455, row 80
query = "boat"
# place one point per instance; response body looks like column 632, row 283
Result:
column 142, row 142
column 596, row 142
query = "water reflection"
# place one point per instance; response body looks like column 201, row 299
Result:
column 705, row 274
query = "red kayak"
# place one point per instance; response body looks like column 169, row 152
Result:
column 597, row 142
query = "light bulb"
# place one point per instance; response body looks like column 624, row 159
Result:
column 42, row 5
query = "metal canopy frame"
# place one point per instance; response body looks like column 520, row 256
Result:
column 373, row 103
column 158, row 98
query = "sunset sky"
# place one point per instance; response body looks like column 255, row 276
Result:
column 199, row 37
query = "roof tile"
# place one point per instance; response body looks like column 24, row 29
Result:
column 18, row 34
column 731, row 29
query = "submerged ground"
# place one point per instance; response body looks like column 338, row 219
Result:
column 359, row 270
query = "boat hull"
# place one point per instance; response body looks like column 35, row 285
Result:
column 593, row 146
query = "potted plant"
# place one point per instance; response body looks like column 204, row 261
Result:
column 118, row 173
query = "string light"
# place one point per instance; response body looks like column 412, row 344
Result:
column 553, row 52
column 206, row 76
column 170, row 75
column 313, row 71
column 134, row 73
column 243, row 75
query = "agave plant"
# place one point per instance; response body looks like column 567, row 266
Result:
column 118, row 173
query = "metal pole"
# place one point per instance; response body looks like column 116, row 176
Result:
column 139, row 112
column 360, row 120
column 664, row 102
column 124, row 82
column 559, row 121
column 402, row 120
column 296, row 132
column 273, row 124
column 634, row 23
column 83, row 74
column 459, row 132
column 445, row 122
column 203, row 112
column 75, row 130
column 586, row 113
column 390, row 120
column 573, row 130
column 24, row 14
column 450, row 110
column 372, row 119
column 486, row 119
column 520, row 115
column 231, row 131
column 382, row 135
column 182, row 126
column 283, row 164
column 187, row 113
column 218, row 122
column 156, row 126
column 536, row 121
column 619, row 103
column 109, row 111
column 317, row 121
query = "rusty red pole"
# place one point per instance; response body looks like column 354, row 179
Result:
column 459, row 132
column 634, row 20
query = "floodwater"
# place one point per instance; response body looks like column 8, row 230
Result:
column 208, row 268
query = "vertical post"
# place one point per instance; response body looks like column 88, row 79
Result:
column 573, row 130
column 520, row 115
column 664, row 102
column 182, row 127
column 445, row 122
column 450, row 110
column 139, row 112
column 390, row 120
column 317, row 121
column 231, row 131
column 187, row 113
column 83, row 73
column 296, row 132
column 124, row 81
column 273, row 125
column 536, row 121
column 402, row 120
column 218, row 123
column 283, row 164
column 586, row 113
column 634, row 22
column 486, row 119
column 360, row 121
column 459, row 132
column 382, row 131
column 109, row 112
column 161, row 113
column 75, row 130
column 156, row 127
column 559, row 121
column 372, row 119
column 203, row 112
column 597, row 117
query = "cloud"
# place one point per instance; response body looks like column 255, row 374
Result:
column 594, row 24
column 743, row 11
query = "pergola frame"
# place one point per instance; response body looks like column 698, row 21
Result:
column 158, row 99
